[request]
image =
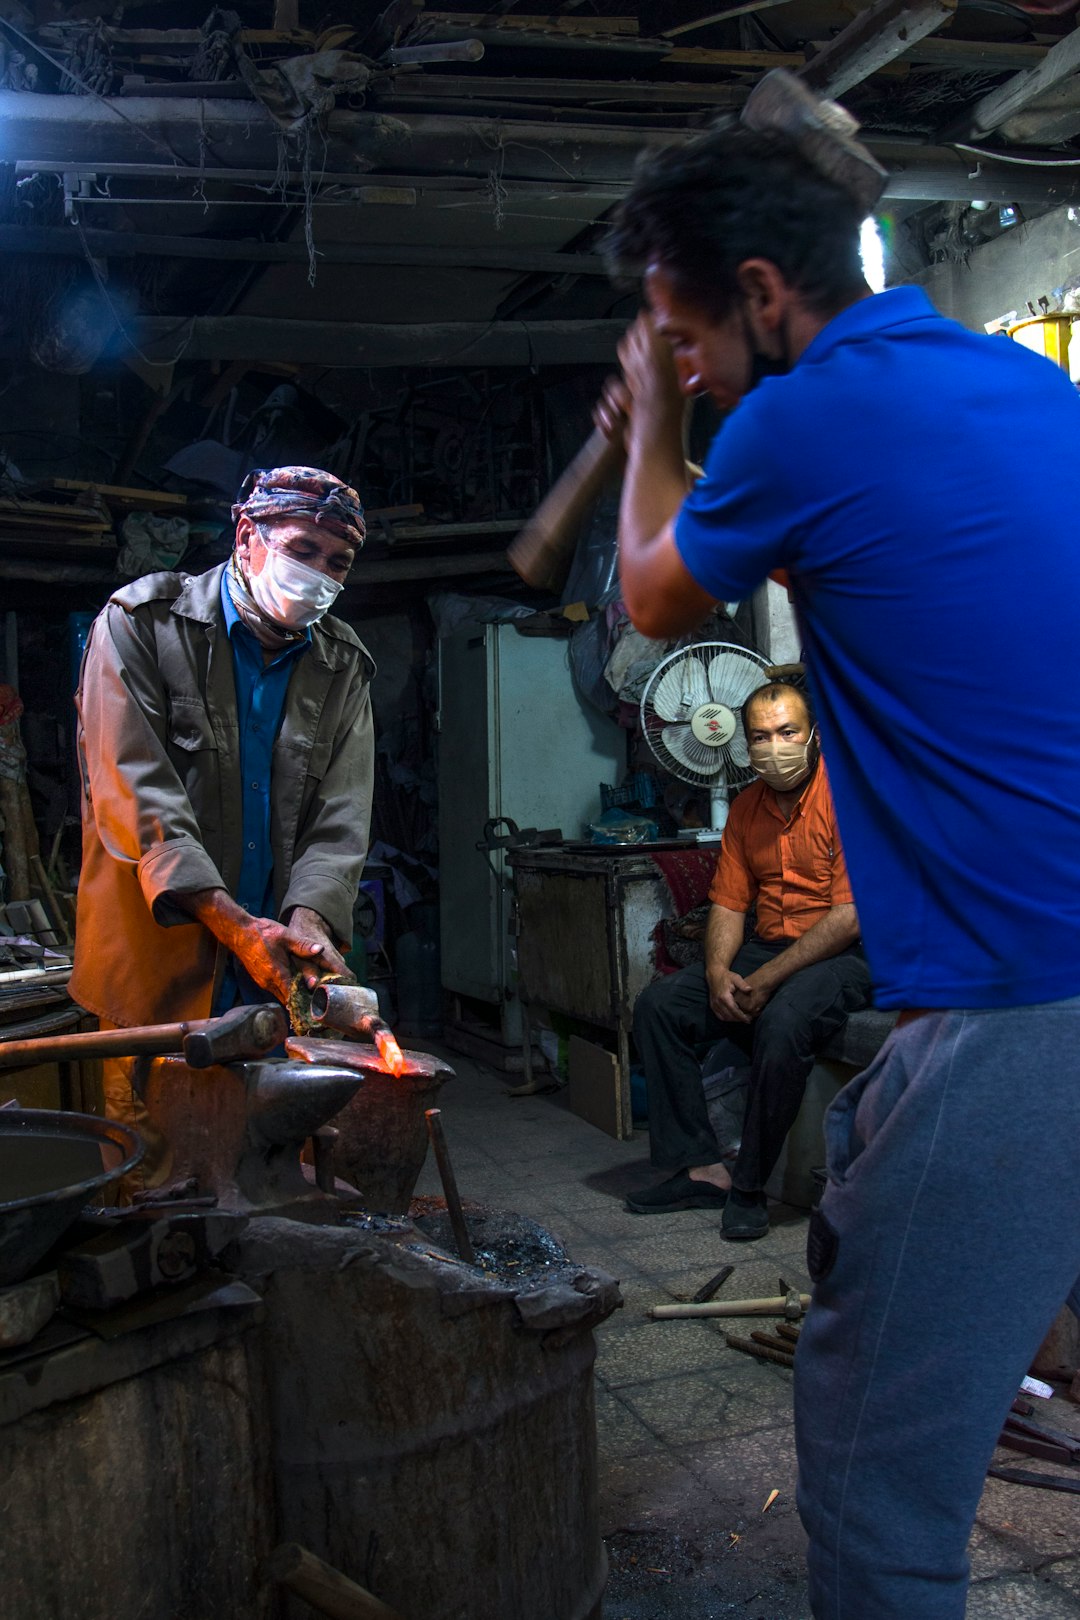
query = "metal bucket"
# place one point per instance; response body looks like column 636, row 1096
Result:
column 433, row 1424
column 51, row 1164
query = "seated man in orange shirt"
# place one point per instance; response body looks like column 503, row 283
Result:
column 778, row 997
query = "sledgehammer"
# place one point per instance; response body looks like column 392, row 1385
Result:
column 825, row 133
column 245, row 1032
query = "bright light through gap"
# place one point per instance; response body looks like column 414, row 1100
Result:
column 872, row 254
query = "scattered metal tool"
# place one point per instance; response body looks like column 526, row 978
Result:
column 761, row 1351
column 433, row 1119
column 1035, row 1440
column 773, row 1341
column 712, row 1287
column 245, row 1032
column 788, row 1332
column 1025, row 1476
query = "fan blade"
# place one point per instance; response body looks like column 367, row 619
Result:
column 737, row 751
column 683, row 746
column 680, row 690
column 732, row 678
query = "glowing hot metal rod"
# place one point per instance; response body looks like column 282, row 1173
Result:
column 354, row 1008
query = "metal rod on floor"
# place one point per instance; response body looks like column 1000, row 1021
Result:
column 433, row 1118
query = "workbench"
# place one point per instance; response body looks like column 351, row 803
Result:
column 585, row 922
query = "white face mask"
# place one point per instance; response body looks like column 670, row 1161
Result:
column 291, row 593
column 785, row 767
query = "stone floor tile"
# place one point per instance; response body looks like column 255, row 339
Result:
column 622, row 1432
column 1019, row 1597
column 651, row 1350
column 642, row 1492
column 1040, row 1524
column 1065, row 1572
column 691, row 1411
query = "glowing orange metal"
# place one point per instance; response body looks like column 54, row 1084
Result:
column 390, row 1051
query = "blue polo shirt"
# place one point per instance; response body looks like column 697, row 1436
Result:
column 261, row 690
column 915, row 478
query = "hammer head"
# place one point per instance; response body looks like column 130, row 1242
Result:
column 824, row 132
column 344, row 1006
column 244, row 1032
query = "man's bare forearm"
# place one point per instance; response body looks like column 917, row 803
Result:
column 218, row 911
column 834, row 932
column 724, row 933
column 654, row 484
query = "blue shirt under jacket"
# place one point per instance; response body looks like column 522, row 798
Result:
column 261, row 690
column 914, row 478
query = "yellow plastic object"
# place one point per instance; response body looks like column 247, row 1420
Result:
column 1046, row 334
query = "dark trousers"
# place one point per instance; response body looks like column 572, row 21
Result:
column 674, row 1024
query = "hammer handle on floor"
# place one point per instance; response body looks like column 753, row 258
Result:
column 726, row 1307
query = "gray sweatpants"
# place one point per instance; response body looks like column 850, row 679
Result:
column 947, row 1240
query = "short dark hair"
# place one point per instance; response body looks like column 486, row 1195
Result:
column 771, row 692
column 701, row 210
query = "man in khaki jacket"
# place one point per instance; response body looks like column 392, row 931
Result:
column 226, row 749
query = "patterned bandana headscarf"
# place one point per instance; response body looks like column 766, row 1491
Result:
column 302, row 492
column 290, row 492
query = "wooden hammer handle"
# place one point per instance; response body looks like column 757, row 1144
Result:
column 544, row 549
column 325, row 1588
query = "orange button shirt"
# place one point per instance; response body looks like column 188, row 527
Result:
column 795, row 869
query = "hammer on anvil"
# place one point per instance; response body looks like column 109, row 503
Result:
column 825, row 133
column 244, row 1032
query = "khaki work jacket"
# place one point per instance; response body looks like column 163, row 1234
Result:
column 159, row 752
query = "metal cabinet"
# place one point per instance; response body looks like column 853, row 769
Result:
column 515, row 740
column 585, row 942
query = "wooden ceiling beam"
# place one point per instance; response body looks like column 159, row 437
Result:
column 354, row 345
column 873, row 40
column 63, row 242
column 1060, row 65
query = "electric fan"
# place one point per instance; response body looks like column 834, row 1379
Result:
column 690, row 715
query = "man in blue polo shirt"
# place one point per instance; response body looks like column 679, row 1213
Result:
column 893, row 464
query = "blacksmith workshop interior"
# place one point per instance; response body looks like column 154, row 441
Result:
column 345, row 1307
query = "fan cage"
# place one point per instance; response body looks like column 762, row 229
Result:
column 687, row 681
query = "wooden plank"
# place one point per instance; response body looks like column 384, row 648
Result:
column 873, row 40
column 125, row 494
column 748, row 61
column 555, row 92
column 549, row 24
column 970, row 55
column 595, row 1090
column 1061, row 62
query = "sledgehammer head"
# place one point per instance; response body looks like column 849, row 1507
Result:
column 824, row 132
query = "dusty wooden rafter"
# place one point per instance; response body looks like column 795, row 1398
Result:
column 1060, row 65
column 354, row 345
column 872, row 40
column 104, row 244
